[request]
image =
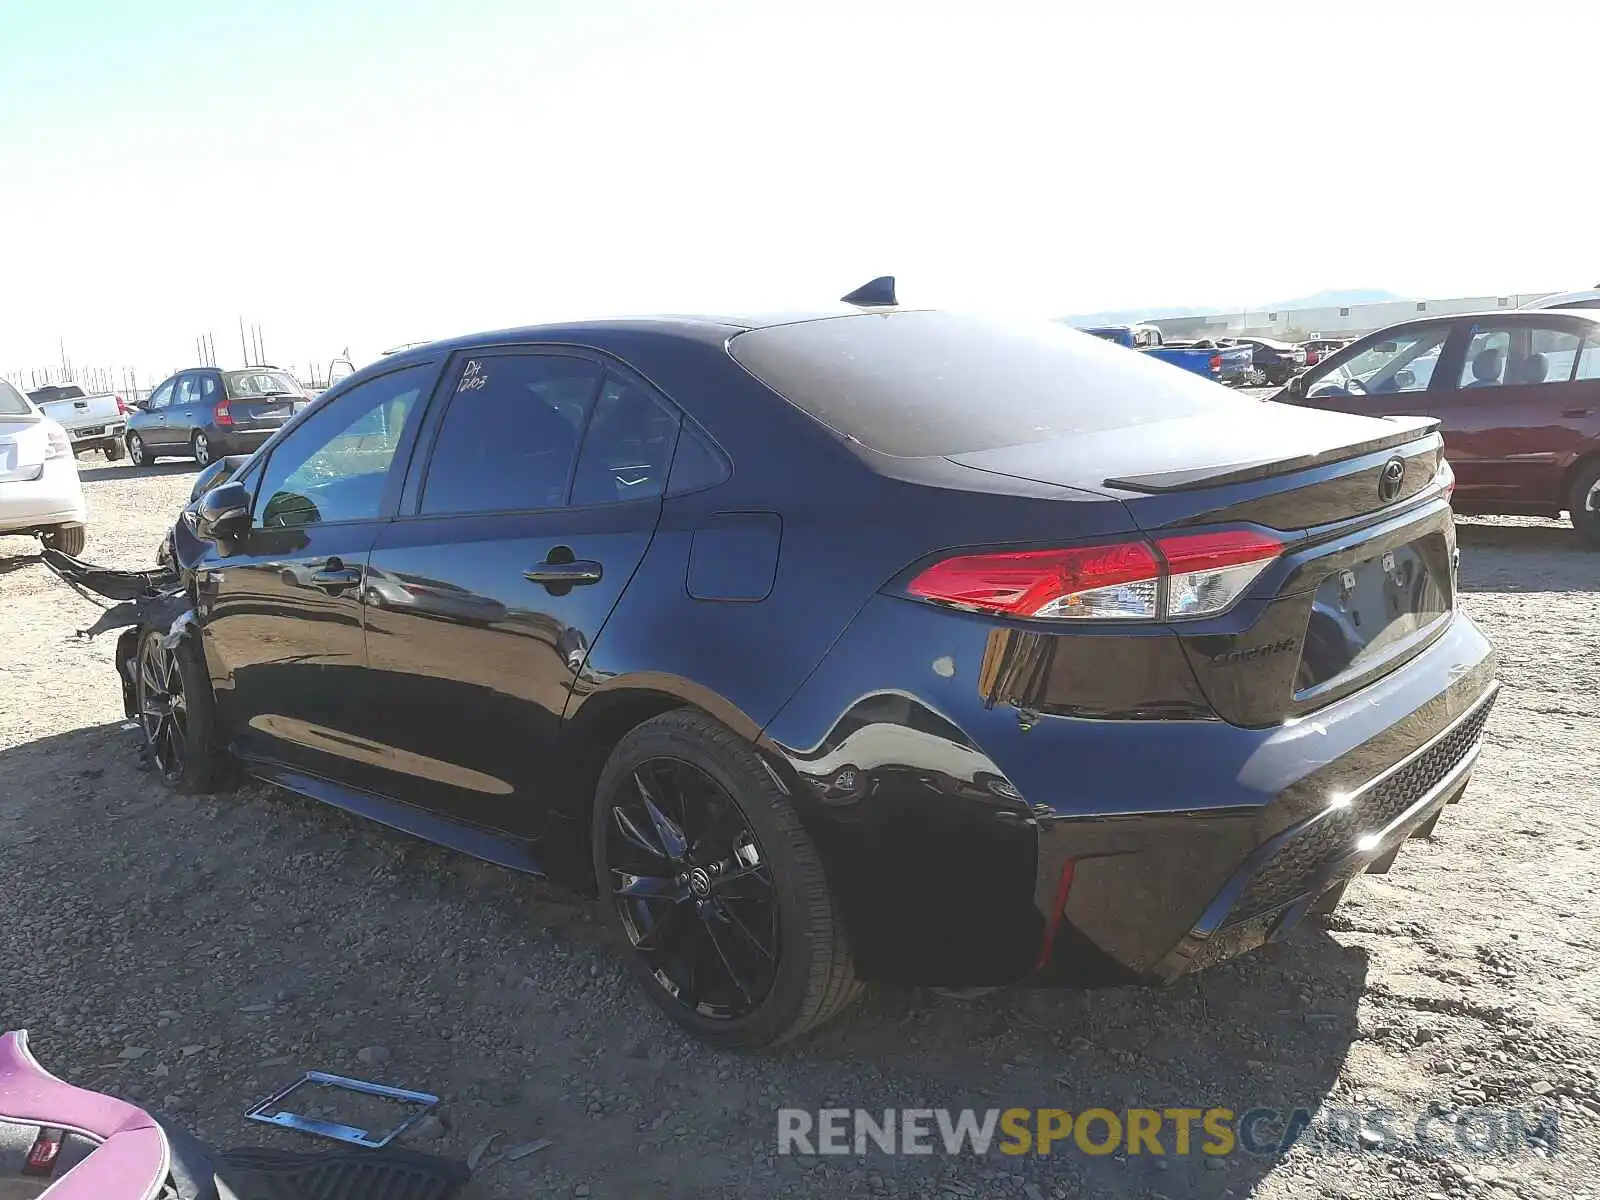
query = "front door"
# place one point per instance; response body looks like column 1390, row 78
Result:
column 539, row 498
column 280, row 609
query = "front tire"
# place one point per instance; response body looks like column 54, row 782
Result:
column 703, row 865
column 69, row 539
column 178, row 715
column 1583, row 503
column 138, row 453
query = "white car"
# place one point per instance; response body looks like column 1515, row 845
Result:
column 39, row 489
column 1584, row 298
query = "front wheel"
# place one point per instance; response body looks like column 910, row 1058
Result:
column 138, row 453
column 178, row 715
column 1583, row 503
column 717, row 889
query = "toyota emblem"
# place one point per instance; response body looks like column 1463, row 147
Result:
column 1394, row 474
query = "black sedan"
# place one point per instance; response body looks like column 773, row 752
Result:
column 885, row 645
column 1274, row 361
column 205, row 413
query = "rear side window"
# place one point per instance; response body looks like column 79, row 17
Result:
column 12, row 403
column 628, row 446
column 510, row 433
column 912, row 384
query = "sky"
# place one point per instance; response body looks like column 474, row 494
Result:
column 354, row 174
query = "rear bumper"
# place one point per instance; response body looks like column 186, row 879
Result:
column 946, row 818
column 236, row 440
column 55, row 498
column 111, row 431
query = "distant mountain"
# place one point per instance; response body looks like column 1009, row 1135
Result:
column 1327, row 298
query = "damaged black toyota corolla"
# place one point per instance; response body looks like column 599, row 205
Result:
column 885, row 645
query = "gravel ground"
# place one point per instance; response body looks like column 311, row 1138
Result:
column 194, row 954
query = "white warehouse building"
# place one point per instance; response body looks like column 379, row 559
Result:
column 1299, row 324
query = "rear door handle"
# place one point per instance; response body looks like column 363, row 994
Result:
column 577, row 571
column 335, row 576
column 1578, row 412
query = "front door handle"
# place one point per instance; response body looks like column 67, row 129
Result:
column 335, row 576
column 1578, row 412
column 565, row 574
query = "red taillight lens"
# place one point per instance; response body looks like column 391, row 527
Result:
column 122, row 407
column 1205, row 574
column 221, row 415
column 1116, row 581
column 1216, row 362
column 1447, row 476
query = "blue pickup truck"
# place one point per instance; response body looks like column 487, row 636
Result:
column 1225, row 364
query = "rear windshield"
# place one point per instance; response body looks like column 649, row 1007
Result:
column 56, row 391
column 913, row 384
column 244, row 384
column 11, row 402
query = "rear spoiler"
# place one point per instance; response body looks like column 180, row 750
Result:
column 1409, row 429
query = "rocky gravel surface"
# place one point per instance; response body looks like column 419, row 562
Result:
column 196, row 953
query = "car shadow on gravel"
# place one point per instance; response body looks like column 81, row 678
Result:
column 1548, row 557
column 204, row 950
column 124, row 469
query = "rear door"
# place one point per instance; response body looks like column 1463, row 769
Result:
column 538, row 498
column 281, row 607
column 1525, row 406
column 183, row 413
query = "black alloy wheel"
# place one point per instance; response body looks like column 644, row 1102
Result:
column 692, row 889
column 163, row 708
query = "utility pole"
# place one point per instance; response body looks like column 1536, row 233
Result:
column 243, row 347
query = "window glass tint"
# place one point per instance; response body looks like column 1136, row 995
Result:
column 695, row 465
column 1518, row 354
column 12, row 403
column 628, row 446
column 208, row 388
column 335, row 465
column 261, row 383
column 159, row 397
column 188, row 390
column 922, row 383
column 510, row 434
column 1589, row 361
column 1403, row 362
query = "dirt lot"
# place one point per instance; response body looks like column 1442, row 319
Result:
column 195, row 954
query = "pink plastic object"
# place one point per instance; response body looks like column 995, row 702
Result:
column 132, row 1160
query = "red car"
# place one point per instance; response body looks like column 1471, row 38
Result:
column 1517, row 394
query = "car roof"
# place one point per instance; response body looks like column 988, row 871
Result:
column 713, row 330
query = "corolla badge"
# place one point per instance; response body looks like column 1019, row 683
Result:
column 1391, row 478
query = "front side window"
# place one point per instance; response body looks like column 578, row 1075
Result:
column 510, row 433
column 160, row 397
column 1403, row 362
column 1518, row 354
column 336, row 465
column 627, row 448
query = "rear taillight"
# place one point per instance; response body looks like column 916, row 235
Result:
column 1447, row 477
column 221, row 414
column 1216, row 363
column 58, row 444
column 1179, row 577
column 122, row 407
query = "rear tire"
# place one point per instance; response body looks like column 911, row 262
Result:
column 69, row 539
column 200, row 447
column 113, row 450
column 764, row 998
column 1583, row 503
column 177, row 711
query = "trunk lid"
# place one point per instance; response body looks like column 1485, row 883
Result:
column 1366, row 577
column 264, row 410
column 23, row 443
